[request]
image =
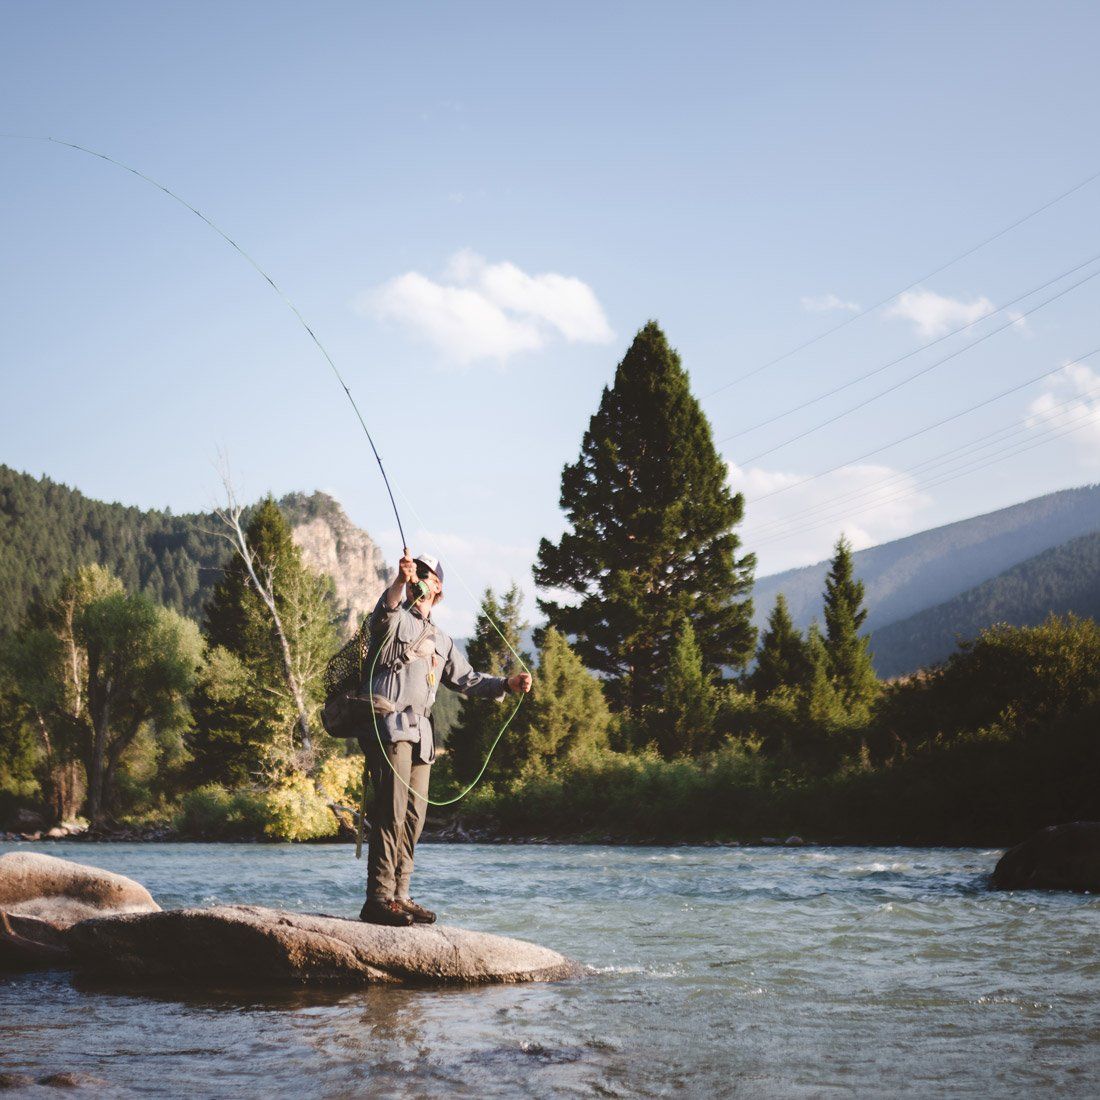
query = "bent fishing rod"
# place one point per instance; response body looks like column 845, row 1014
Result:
column 343, row 385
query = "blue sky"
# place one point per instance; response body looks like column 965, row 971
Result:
column 477, row 205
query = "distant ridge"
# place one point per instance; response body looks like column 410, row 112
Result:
column 1061, row 580
column 920, row 571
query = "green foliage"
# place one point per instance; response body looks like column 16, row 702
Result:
column 480, row 720
column 211, row 812
column 228, row 739
column 848, row 660
column 652, row 534
column 246, row 715
column 567, row 714
column 1008, row 677
column 783, row 659
column 48, row 531
column 683, row 723
column 295, row 810
column 89, row 671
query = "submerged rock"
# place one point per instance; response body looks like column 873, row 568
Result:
column 43, row 896
column 1060, row 857
column 247, row 944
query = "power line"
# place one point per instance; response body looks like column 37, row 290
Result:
column 1049, row 436
column 920, row 373
column 864, row 497
column 916, row 351
column 916, row 282
column 928, row 428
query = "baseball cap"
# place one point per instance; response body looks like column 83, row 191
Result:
column 430, row 563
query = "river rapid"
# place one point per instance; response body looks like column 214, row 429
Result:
column 718, row 972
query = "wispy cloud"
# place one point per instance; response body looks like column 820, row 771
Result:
column 801, row 525
column 828, row 303
column 1072, row 403
column 934, row 314
column 481, row 310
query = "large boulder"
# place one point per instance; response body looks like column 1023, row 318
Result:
column 1060, row 857
column 250, row 945
column 63, row 892
column 43, row 896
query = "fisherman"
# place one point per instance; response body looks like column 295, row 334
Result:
column 413, row 657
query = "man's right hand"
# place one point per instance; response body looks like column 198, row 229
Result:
column 406, row 574
column 406, row 568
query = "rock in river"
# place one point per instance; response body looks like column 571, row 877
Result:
column 42, row 896
column 247, row 944
column 1061, row 857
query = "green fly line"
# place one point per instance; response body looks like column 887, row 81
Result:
column 362, row 423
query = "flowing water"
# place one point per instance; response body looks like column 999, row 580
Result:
column 718, row 972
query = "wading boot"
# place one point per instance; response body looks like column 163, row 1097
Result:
column 417, row 912
column 385, row 911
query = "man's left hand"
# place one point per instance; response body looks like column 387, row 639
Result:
column 520, row 682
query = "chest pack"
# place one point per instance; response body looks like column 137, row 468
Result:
column 347, row 711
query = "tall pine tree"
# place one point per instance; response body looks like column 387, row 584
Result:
column 783, row 659
column 568, row 714
column 849, row 659
column 480, row 720
column 245, row 713
column 652, row 537
column 684, row 725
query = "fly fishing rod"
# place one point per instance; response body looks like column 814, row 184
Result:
column 347, row 392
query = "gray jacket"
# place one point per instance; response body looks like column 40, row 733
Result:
column 415, row 657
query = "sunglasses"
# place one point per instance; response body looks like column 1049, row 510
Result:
column 422, row 571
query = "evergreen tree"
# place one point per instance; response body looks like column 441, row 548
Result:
column 480, row 720
column 849, row 660
column 568, row 714
column 820, row 704
column 652, row 538
column 246, row 716
column 782, row 659
column 684, row 726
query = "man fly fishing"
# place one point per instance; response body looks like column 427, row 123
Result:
column 410, row 657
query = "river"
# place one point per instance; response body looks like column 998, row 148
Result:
column 719, row 972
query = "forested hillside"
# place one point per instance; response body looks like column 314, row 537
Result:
column 1062, row 580
column 48, row 530
column 909, row 575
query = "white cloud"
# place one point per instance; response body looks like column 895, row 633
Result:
column 481, row 310
column 826, row 303
column 1073, row 404
column 800, row 526
column 934, row 315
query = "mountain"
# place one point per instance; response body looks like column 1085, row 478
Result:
column 925, row 570
column 48, row 530
column 332, row 544
column 1063, row 579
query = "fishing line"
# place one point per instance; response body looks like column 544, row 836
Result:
column 343, row 385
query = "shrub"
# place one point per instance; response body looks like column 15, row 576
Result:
column 211, row 812
column 296, row 810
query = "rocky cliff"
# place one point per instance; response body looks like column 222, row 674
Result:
column 332, row 544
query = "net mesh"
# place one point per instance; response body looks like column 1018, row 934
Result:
column 346, row 668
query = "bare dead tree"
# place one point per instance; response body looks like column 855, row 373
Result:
column 261, row 576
